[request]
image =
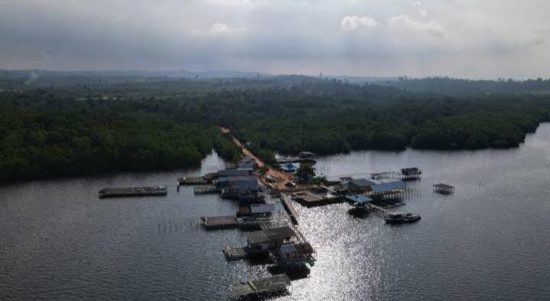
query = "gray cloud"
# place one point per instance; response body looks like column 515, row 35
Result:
column 490, row 38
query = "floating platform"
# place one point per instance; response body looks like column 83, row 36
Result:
column 206, row 189
column 234, row 253
column 265, row 287
column 287, row 204
column 192, row 181
column 310, row 199
column 133, row 191
column 219, row 222
column 444, row 188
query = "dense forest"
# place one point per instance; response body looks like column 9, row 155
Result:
column 92, row 124
column 45, row 136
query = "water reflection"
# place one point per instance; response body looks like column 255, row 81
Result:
column 486, row 241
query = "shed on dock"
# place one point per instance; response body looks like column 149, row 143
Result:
column 293, row 254
column 256, row 210
column 265, row 240
column 361, row 185
column 411, row 173
column 444, row 188
column 387, row 190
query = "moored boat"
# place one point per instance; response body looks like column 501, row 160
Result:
column 398, row 218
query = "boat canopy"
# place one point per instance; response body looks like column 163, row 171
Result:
column 359, row 198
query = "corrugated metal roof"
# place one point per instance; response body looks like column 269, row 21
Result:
column 388, row 186
column 270, row 235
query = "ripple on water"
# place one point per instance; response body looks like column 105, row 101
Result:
column 486, row 242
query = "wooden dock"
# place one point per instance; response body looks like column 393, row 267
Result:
column 234, row 253
column 219, row 222
column 206, row 189
column 265, row 287
column 133, row 191
column 287, row 204
column 192, row 181
column 310, row 199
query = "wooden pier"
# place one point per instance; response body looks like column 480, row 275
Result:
column 287, row 204
column 206, row 189
column 219, row 222
column 265, row 287
column 133, row 191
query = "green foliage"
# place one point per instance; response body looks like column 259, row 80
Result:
column 45, row 143
column 80, row 126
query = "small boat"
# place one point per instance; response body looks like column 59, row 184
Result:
column 398, row 218
column 359, row 210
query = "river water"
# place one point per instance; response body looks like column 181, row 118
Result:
column 488, row 241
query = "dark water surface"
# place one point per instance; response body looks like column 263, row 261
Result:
column 488, row 241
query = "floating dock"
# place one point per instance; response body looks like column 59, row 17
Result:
column 270, row 286
column 234, row 253
column 219, row 222
column 310, row 199
column 244, row 223
column 133, row 191
column 287, row 204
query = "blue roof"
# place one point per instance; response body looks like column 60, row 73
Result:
column 388, row 186
column 358, row 198
column 288, row 166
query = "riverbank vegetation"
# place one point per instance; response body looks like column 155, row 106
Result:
column 83, row 127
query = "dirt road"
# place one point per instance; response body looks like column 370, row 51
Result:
column 280, row 177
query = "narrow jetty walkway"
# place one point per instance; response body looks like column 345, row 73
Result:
column 287, row 204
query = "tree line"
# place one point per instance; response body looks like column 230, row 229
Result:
column 125, row 125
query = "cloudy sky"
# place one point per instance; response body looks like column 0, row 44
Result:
column 461, row 38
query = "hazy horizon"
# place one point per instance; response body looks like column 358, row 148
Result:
column 373, row 38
